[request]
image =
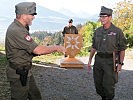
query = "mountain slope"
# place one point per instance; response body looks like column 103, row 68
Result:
column 46, row 19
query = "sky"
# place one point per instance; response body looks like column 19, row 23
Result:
column 80, row 8
column 77, row 6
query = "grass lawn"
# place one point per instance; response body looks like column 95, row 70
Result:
column 49, row 58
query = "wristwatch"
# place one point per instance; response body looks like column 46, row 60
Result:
column 121, row 63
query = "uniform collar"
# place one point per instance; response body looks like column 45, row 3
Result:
column 108, row 28
column 20, row 25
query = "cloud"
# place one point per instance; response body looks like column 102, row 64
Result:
column 75, row 6
column 78, row 6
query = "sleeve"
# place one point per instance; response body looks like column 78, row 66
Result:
column 64, row 31
column 23, row 41
column 76, row 32
column 93, row 40
column 122, row 41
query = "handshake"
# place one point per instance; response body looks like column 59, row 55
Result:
column 42, row 50
column 60, row 48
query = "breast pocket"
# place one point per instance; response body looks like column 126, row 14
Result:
column 111, row 42
column 98, row 40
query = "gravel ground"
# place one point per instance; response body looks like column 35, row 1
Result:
column 57, row 83
column 4, row 85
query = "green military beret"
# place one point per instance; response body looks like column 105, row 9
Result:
column 26, row 8
column 106, row 11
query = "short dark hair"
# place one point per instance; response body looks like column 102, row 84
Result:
column 70, row 20
column 18, row 16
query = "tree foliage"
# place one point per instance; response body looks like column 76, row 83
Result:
column 123, row 18
column 87, row 31
column 58, row 38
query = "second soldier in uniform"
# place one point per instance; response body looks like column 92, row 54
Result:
column 106, row 40
column 70, row 29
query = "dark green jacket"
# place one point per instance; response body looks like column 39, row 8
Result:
column 70, row 30
column 109, row 40
column 19, row 45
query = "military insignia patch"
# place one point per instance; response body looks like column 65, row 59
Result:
column 112, row 33
column 28, row 38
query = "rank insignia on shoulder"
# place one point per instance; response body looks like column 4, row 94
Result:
column 28, row 38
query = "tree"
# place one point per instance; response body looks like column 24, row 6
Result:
column 48, row 40
column 123, row 15
column 79, row 26
column 87, row 31
column 58, row 38
column 123, row 18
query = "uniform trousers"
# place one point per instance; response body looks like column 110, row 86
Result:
column 28, row 92
column 104, row 77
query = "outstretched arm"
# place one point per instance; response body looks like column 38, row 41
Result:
column 42, row 50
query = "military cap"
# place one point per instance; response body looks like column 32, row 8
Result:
column 106, row 11
column 26, row 8
column 70, row 20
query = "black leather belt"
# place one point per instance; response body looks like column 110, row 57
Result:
column 15, row 66
column 105, row 55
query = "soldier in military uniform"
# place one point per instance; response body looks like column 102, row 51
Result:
column 20, row 49
column 70, row 29
column 106, row 40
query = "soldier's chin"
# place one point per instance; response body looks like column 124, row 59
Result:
column 30, row 24
column 103, row 23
